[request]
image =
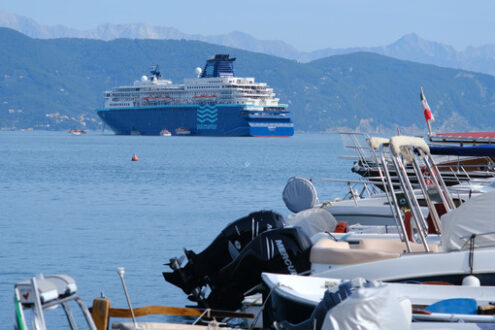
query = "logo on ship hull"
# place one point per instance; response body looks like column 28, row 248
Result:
column 207, row 117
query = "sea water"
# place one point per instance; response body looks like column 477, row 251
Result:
column 78, row 205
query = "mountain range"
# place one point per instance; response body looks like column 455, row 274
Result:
column 410, row 47
column 58, row 83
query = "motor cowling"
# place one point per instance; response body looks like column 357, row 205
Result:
column 224, row 249
column 284, row 250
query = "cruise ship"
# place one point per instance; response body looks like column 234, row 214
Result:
column 215, row 103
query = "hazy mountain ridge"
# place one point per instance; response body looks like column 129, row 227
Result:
column 58, row 84
column 108, row 32
column 410, row 47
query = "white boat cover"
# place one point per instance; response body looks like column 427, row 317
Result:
column 299, row 194
column 370, row 308
column 473, row 217
column 313, row 221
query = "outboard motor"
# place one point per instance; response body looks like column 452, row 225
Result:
column 225, row 248
column 284, row 250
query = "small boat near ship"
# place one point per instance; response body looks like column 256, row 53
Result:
column 165, row 132
column 76, row 131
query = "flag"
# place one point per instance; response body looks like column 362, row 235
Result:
column 428, row 115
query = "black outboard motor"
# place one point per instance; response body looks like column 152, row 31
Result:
column 225, row 248
column 284, row 250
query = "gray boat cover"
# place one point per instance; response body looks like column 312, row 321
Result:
column 313, row 221
column 299, row 194
column 473, row 217
column 370, row 308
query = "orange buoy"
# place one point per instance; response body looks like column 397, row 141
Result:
column 134, row 158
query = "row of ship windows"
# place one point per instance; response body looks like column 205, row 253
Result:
column 182, row 94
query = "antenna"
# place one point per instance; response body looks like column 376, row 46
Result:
column 155, row 71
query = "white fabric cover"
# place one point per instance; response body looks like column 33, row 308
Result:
column 369, row 308
column 473, row 217
column 400, row 145
column 299, row 194
column 313, row 221
column 376, row 142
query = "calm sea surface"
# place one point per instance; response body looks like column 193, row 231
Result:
column 78, row 205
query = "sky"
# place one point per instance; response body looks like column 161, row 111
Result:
column 307, row 25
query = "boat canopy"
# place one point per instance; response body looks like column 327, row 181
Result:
column 474, row 217
column 482, row 150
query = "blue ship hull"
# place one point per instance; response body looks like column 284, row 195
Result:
column 203, row 120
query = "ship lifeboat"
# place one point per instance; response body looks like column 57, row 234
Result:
column 205, row 96
column 155, row 98
column 182, row 131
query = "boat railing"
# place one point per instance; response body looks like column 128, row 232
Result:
column 41, row 294
column 358, row 189
column 414, row 151
column 357, row 142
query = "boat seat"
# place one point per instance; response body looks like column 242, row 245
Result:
column 393, row 245
column 328, row 251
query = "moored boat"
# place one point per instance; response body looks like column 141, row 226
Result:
column 40, row 293
column 34, row 300
column 461, row 239
column 76, row 131
column 296, row 299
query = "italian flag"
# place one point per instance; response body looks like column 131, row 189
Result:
column 428, row 115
